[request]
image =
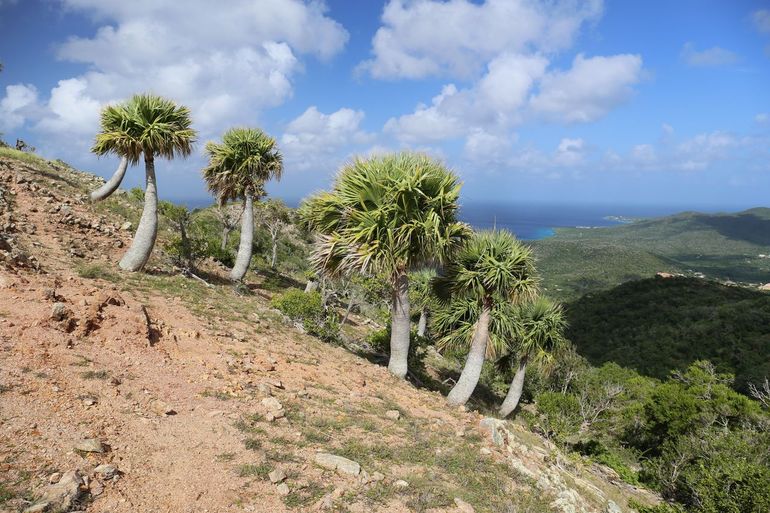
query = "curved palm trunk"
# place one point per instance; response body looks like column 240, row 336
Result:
column 514, row 393
column 469, row 378
column 422, row 324
column 144, row 238
column 112, row 184
column 399, row 327
column 247, row 234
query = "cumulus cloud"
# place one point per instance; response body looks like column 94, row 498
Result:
column 710, row 57
column 589, row 89
column 16, row 105
column 315, row 138
column 427, row 38
column 493, row 103
column 227, row 65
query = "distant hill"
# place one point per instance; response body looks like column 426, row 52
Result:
column 721, row 246
column 656, row 325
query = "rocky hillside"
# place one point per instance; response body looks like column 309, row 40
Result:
column 159, row 393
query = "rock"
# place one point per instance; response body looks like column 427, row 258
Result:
column 96, row 488
column 273, row 415
column 283, row 489
column 495, row 428
column 40, row 507
column 106, row 471
column 62, row 495
column 338, row 463
column 89, row 401
column 393, row 414
column 272, row 404
column 484, row 451
column 89, row 445
column 377, row 476
column 463, row 506
column 401, row 484
column 161, row 408
column 126, row 226
column 54, row 478
column 612, row 507
column 277, row 476
column 60, row 312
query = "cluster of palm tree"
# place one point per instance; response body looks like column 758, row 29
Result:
column 396, row 215
column 147, row 126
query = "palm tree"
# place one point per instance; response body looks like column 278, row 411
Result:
column 492, row 267
column 388, row 214
column 541, row 336
column 151, row 126
column 238, row 168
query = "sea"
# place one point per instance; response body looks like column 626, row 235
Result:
column 533, row 221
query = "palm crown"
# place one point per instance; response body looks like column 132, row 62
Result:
column 386, row 214
column 242, row 163
column 145, row 124
column 542, row 334
column 492, row 263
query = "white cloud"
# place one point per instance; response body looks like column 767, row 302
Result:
column 710, row 57
column 590, row 89
column 16, row 105
column 456, row 38
column 761, row 19
column 570, row 152
column 493, row 103
column 315, row 139
column 71, row 110
column 762, row 117
column 226, row 64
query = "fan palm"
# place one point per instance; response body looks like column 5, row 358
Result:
column 540, row 338
column 492, row 267
column 388, row 215
column 238, row 168
column 147, row 125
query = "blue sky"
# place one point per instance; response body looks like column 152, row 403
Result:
column 602, row 102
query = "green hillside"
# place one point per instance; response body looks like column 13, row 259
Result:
column 721, row 246
column 656, row 325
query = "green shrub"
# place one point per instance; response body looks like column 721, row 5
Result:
column 604, row 455
column 559, row 415
column 299, row 305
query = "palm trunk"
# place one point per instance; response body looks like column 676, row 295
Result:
column 274, row 256
column 399, row 327
column 112, row 184
column 243, row 259
column 225, row 237
column 347, row 311
column 144, row 239
column 422, row 323
column 469, row 377
column 514, row 393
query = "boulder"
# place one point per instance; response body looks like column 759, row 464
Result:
column 89, row 445
column 338, row 463
column 61, row 496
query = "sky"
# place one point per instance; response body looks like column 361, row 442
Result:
column 556, row 102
